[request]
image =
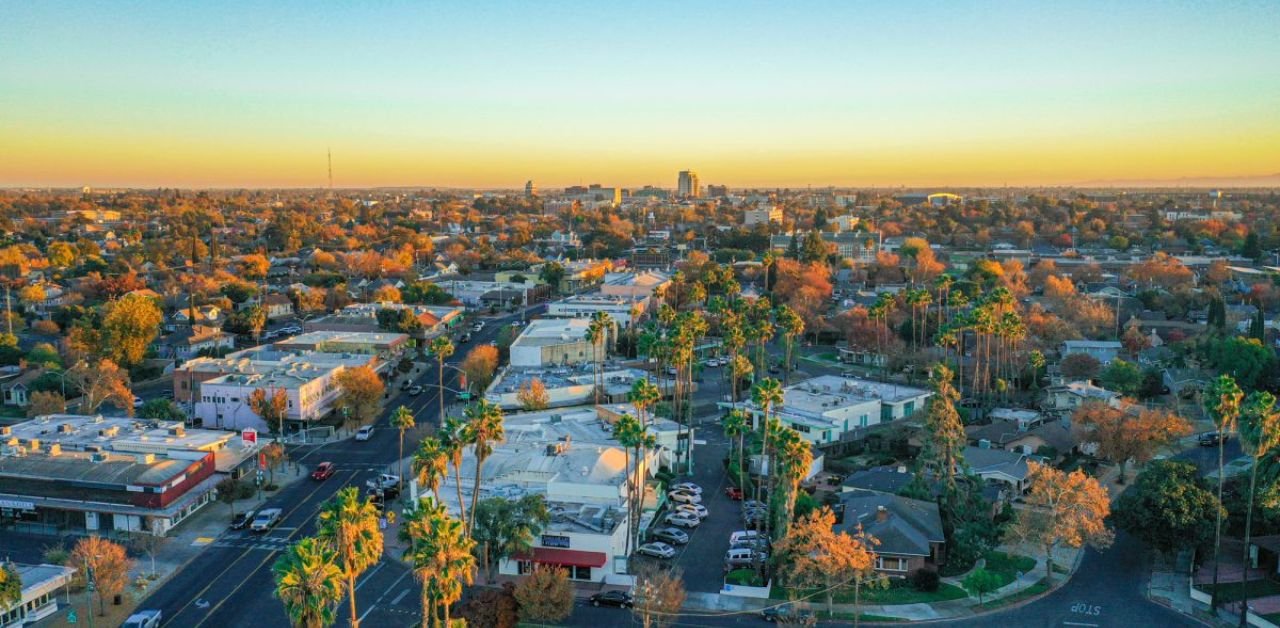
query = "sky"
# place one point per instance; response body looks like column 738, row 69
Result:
column 490, row 94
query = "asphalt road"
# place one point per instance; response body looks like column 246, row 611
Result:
column 230, row 583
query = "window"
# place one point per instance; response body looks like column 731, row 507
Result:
column 862, row 420
column 891, row 564
column 524, row 567
column 580, row 573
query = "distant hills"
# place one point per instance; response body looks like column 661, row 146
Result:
column 1255, row 181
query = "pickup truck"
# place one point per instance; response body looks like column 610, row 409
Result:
column 383, row 481
column 148, row 618
column 265, row 520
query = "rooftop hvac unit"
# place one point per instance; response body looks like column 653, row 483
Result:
column 5, row 430
column 63, row 428
column 55, row 449
column 32, row 443
column 98, row 457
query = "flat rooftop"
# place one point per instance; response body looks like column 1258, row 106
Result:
column 552, row 331
column 92, row 468
column 77, row 432
column 826, row 392
column 316, row 338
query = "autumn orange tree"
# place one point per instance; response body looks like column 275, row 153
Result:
column 361, row 394
column 99, row 383
column 533, row 395
column 273, row 409
column 813, row 555
column 1062, row 509
column 129, row 325
column 106, row 562
column 480, row 365
column 1128, row 434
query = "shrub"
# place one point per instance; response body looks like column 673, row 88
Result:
column 925, row 579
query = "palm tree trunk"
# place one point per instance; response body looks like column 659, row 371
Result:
column 440, row 389
column 475, row 493
column 1217, row 529
column 457, row 483
column 1248, row 523
column 351, row 589
column 400, row 464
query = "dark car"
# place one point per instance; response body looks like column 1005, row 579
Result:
column 323, row 471
column 620, row 599
column 242, row 520
column 1210, row 439
column 390, row 492
column 787, row 613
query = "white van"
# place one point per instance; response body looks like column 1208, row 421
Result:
column 743, row 557
column 745, row 536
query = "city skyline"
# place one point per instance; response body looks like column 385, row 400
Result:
column 925, row 94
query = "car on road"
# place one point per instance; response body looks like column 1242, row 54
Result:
column 415, row 391
column 657, row 550
column 241, row 520
column 384, row 481
column 292, row 329
column 670, row 535
column 148, row 618
column 697, row 510
column 466, row 337
column 688, row 487
column 788, row 613
column 684, row 497
column 733, row 493
column 323, row 471
column 620, row 599
column 406, row 384
column 266, row 519
column 1210, row 439
column 683, row 519
column 364, row 433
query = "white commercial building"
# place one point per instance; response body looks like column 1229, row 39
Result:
column 762, row 216
column 622, row 309
column 311, row 389
column 39, row 597
column 830, row 408
column 635, row 284
column 552, row 341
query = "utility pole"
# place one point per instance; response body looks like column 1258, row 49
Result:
column 8, row 311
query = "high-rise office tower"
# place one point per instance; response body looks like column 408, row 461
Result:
column 530, row 190
column 688, row 186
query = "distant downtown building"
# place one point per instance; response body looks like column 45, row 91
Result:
column 688, row 185
column 530, row 189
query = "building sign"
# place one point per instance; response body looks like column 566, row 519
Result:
column 555, row 541
column 14, row 504
column 249, row 436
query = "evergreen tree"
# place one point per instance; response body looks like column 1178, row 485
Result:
column 793, row 249
column 1251, row 249
column 1259, row 327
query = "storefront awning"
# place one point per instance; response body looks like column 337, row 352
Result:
column 565, row 557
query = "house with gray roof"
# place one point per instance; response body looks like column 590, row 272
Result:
column 909, row 531
column 998, row 465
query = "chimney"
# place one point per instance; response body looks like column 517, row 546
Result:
column 882, row 514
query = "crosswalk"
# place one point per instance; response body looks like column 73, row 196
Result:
column 265, row 543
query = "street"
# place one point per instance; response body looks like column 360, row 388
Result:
column 230, row 582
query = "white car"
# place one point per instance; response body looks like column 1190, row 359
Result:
column 657, row 550
column 684, row 497
column 683, row 519
column 386, row 480
column 137, row 402
column 265, row 520
column 148, row 618
column 695, row 509
column 364, row 433
column 688, row 487
column 745, row 536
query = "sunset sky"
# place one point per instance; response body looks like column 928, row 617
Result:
column 489, row 94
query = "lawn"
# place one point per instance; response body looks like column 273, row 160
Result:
column 900, row 592
column 1031, row 591
column 1232, row 591
column 1007, row 566
column 744, row 577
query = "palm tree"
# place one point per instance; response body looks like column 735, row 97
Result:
column 627, row 431
column 796, row 456
column 644, row 443
column 453, row 439
column 484, row 428
column 402, row 420
column 739, row 368
column 644, row 394
column 735, row 426
column 441, row 348
column 1222, row 401
column 348, row 524
column 943, row 285
column 309, row 583
column 792, row 326
column 1259, row 435
column 431, row 465
column 595, row 334
column 767, row 395
column 440, row 553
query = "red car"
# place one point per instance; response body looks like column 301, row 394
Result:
column 734, row 493
column 323, row 471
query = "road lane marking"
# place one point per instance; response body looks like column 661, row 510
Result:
column 384, row 594
column 400, row 597
column 215, row 579
column 364, row 579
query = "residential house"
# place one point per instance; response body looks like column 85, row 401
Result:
column 1104, row 351
column 998, row 465
column 908, row 531
column 188, row 342
column 17, row 389
column 277, row 306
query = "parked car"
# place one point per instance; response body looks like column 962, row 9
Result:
column 265, row 520
column 384, row 481
column 684, row 497
column 620, row 599
column 786, row 613
column 733, row 493
column 1210, row 439
column 657, row 550
column 241, row 520
column 405, row 384
column 390, row 492
column 752, row 504
column 415, row 391
column 688, row 487
column 670, row 535
column 323, row 471
column 742, row 557
column 148, row 618
column 137, row 402
column 683, row 519
column 364, row 432
column 745, row 536
column 695, row 509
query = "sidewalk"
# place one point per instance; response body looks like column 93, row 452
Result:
column 182, row 545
